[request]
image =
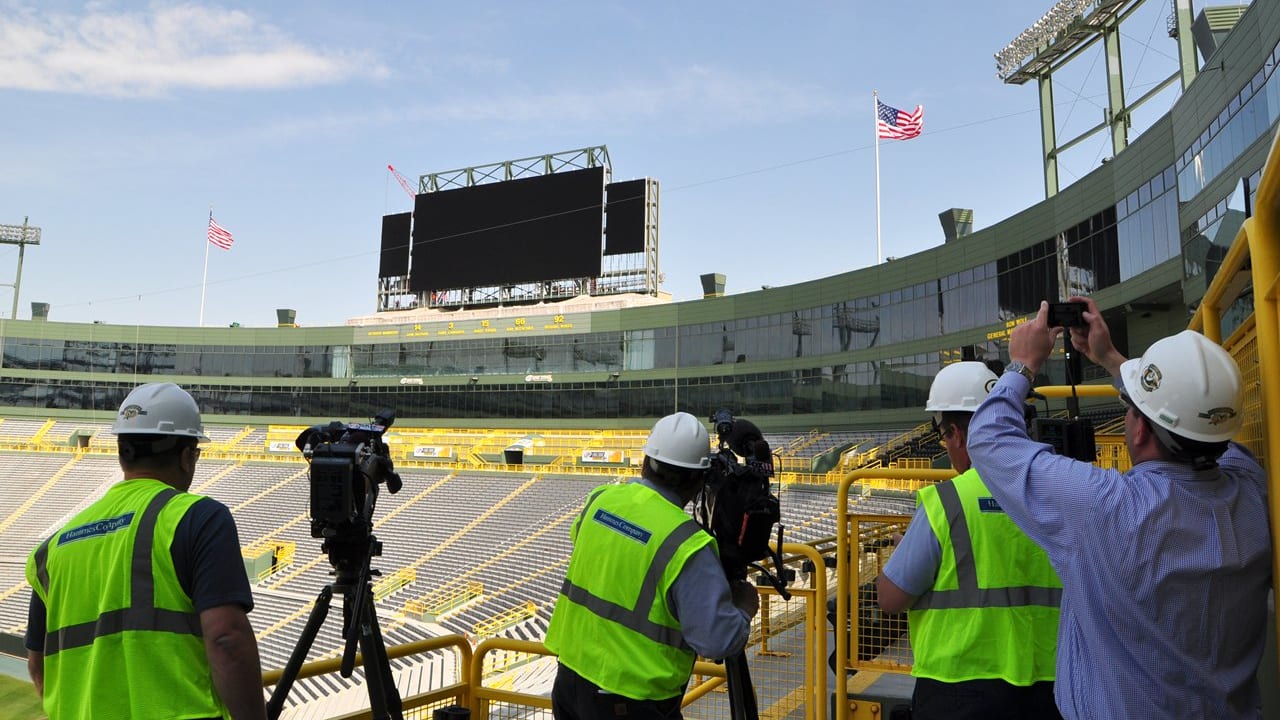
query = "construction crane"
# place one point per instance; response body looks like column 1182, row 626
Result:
column 404, row 182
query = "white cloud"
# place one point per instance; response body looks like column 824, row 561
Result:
column 161, row 49
column 696, row 97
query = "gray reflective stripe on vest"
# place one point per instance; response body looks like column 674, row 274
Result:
column 142, row 613
column 117, row 621
column 42, row 564
column 637, row 618
column 969, row 595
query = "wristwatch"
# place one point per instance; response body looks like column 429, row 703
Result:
column 1021, row 369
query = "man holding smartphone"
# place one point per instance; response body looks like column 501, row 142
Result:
column 1166, row 568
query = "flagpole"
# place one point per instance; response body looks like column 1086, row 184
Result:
column 205, row 278
column 875, row 127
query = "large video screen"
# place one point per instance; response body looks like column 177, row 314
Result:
column 517, row 231
column 394, row 259
column 624, row 217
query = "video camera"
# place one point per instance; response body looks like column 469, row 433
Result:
column 348, row 463
column 736, row 505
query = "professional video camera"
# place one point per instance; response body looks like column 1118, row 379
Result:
column 348, row 463
column 736, row 505
column 738, row 508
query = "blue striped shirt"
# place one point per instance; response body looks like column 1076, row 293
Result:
column 1165, row 569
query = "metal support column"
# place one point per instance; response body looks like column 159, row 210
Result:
column 17, row 281
column 1184, row 15
column 1048, row 135
column 1117, row 113
column 22, row 236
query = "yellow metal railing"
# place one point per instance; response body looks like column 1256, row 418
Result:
column 282, row 554
column 394, row 582
column 483, row 687
column 446, row 599
column 1256, row 344
column 504, row 620
column 849, row 529
column 456, row 693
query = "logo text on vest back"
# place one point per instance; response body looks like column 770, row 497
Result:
column 989, row 504
column 621, row 526
column 96, row 528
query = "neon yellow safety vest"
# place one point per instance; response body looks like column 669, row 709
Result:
column 993, row 610
column 612, row 624
column 122, row 638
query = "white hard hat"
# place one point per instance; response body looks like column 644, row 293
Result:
column 960, row 387
column 159, row 409
column 680, row 440
column 1187, row 385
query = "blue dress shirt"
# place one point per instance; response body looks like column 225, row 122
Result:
column 1165, row 569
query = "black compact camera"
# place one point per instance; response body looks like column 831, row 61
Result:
column 348, row 463
column 1067, row 314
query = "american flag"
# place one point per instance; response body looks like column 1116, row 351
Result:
column 894, row 124
column 219, row 235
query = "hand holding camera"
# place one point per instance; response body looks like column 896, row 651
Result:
column 1067, row 314
column 745, row 597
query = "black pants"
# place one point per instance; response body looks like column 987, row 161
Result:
column 574, row 697
column 982, row 700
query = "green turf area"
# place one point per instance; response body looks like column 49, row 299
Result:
column 18, row 700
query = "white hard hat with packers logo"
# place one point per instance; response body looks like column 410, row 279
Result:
column 1187, row 385
column 159, row 409
column 960, row 387
column 679, row 440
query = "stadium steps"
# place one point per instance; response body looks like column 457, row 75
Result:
column 39, row 493
column 285, row 577
column 471, row 525
column 221, row 473
column 234, row 440
column 808, row 441
column 44, row 430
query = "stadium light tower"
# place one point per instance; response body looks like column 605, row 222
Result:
column 1067, row 30
column 22, row 236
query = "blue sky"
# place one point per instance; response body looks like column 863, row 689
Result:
column 124, row 122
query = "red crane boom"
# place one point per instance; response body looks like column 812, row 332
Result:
column 404, row 182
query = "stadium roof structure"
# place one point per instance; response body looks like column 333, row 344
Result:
column 1067, row 30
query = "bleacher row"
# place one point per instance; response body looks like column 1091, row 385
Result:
column 508, row 531
column 797, row 448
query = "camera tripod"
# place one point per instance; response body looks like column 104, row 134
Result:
column 350, row 559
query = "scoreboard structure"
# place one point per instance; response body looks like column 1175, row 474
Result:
column 531, row 230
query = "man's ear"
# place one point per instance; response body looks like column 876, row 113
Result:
column 1142, row 433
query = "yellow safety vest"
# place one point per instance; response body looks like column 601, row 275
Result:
column 612, row 624
column 122, row 638
column 993, row 610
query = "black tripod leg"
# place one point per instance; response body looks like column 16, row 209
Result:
column 299, row 655
column 384, row 698
column 742, row 694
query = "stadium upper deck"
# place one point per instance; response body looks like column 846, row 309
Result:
column 1143, row 234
